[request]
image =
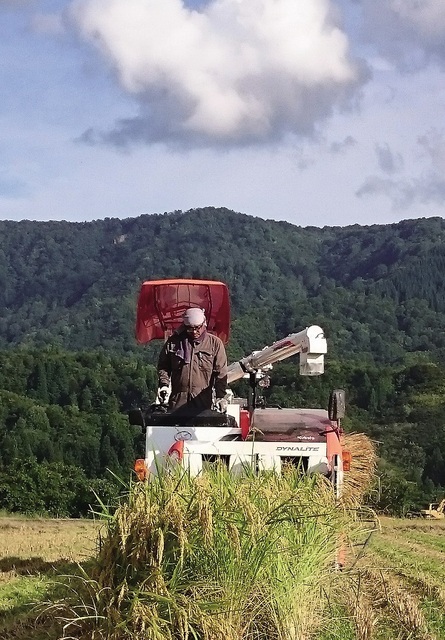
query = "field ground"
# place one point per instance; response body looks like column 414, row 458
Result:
column 33, row 554
column 395, row 591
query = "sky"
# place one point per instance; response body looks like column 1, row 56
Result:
column 316, row 112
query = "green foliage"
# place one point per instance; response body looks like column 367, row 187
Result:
column 51, row 488
column 60, row 441
column 70, row 368
column 395, row 494
column 83, row 424
column 377, row 291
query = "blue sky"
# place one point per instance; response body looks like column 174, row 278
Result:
column 318, row 113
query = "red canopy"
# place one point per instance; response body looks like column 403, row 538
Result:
column 162, row 303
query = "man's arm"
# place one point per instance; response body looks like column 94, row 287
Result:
column 164, row 367
column 220, row 371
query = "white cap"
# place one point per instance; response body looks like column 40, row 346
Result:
column 193, row 317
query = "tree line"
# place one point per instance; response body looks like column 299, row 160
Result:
column 70, row 368
column 66, row 442
column 378, row 291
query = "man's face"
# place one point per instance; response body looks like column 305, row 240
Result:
column 195, row 331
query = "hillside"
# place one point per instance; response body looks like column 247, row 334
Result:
column 70, row 368
column 378, row 291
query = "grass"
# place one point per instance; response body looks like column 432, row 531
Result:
column 34, row 552
column 218, row 557
column 406, row 586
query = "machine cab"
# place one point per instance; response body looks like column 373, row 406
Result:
column 162, row 303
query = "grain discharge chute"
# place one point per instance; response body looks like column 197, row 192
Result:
column 249, row 434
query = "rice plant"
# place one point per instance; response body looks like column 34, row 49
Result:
column 357, row 482
column 214, row 557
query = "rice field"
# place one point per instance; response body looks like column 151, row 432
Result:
column 214, row 557
column 34, row 553
column 217, row 557
column 203, row 561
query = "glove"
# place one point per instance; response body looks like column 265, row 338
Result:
column 221, row 405
column 163, row 395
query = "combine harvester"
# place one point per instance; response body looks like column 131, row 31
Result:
column 249, row 434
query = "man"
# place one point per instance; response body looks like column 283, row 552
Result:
column 193, row 362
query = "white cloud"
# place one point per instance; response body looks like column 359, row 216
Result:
column 209, row 82
column 426, row 190
column 235, row 72
column 426, row 16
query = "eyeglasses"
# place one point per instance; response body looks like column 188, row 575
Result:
column 196, row 328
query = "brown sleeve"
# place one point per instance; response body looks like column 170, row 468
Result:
column 164, row 367
column 220, row 370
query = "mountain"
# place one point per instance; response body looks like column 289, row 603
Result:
column 70, row 368
column 378, row 291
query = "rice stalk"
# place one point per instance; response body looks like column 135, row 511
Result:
column 424, row 584
column 217, row 557
column 403, row 607
column 359, row 600
column 358, row 481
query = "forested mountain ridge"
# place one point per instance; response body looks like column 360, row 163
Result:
column 70, row 368
column 378, row 291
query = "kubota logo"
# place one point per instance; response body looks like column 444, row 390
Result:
column 183, row 435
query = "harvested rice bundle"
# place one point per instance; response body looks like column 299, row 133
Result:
column 359, row 479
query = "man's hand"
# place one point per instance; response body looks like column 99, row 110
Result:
column 163, row 395
column 221, row 405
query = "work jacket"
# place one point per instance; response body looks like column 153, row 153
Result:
column 192, row 383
